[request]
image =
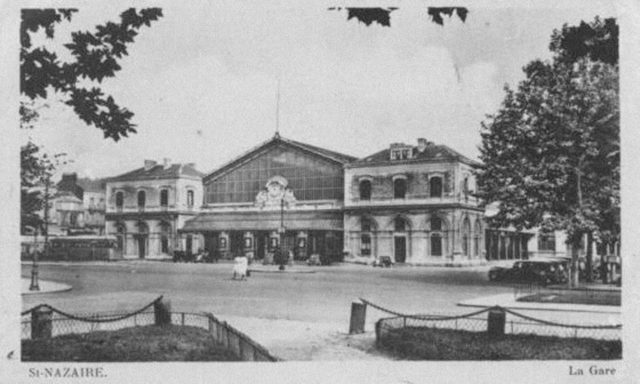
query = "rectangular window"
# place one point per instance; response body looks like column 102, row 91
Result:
column 547, row 242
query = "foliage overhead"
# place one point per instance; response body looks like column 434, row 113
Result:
column 382, row 16
column 597, row 40
column 95, row 56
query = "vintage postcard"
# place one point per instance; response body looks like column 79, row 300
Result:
column 282, row 191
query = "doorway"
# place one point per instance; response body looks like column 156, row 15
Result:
column 142, row 246
column 400, row 249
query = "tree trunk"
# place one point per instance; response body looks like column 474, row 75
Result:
column 589, row 261
column 574, row 276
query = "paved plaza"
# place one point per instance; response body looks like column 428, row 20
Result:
column 301, row 314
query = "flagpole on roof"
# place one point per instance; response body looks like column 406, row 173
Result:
column 278, row 109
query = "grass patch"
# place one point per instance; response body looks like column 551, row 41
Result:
column 147, row 343
column 447, row 344
column 575, row 297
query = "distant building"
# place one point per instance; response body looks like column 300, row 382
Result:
column 146, row 206
column 77, row 206
column 414, row 204
column 93, row 201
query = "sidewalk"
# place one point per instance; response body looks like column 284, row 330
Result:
column 45, row 287
column 293, row 340
column 508, row 300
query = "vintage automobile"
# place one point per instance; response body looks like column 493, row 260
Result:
column 543, row 272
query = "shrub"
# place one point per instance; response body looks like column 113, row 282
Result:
column 446, row 344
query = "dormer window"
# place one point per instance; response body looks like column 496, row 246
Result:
column 400, row 151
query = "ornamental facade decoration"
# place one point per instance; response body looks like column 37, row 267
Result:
column 275, row 193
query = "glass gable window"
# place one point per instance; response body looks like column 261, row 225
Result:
column 309, row 177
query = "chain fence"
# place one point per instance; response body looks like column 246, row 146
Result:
column 478, row 321
column 62, row 323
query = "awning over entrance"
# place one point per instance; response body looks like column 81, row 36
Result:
column 265, row 221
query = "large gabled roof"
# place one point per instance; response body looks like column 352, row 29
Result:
column 432, row 153
column 336, row 157
column 158, row 171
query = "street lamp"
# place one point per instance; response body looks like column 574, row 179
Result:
column 35, row 283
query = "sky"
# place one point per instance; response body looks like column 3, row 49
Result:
column 203, row 80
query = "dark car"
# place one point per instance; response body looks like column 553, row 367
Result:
column 532, row 271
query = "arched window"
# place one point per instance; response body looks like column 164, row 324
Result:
column 466, row 237
column 190, row 198
column 119, row 200
column 435, row 187
column 399, row 224
column 399, row 188
column 365, row 190
column 142, row 199
column 164, row 198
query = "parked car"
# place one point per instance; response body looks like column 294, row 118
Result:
column 383, row 261
column 532, row 271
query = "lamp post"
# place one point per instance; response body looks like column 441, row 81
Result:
column 35, row 283
column 281, row 232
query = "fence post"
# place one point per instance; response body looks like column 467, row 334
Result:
column 41, row 324
column 162, row 312
column 358, row 316
column 496, row 322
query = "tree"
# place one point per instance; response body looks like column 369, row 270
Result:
column 551, row 152
column 36, row 170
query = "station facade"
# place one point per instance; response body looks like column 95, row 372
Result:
column 282, row 193
column 413, row 203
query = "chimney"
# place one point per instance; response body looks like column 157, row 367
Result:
column 148, row 164
column 166, row 163
column 422, row 144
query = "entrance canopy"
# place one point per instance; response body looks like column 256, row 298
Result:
column 265, row 221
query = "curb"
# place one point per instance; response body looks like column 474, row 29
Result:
column 504, row 302
column 278, row 271
column 53, row 287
